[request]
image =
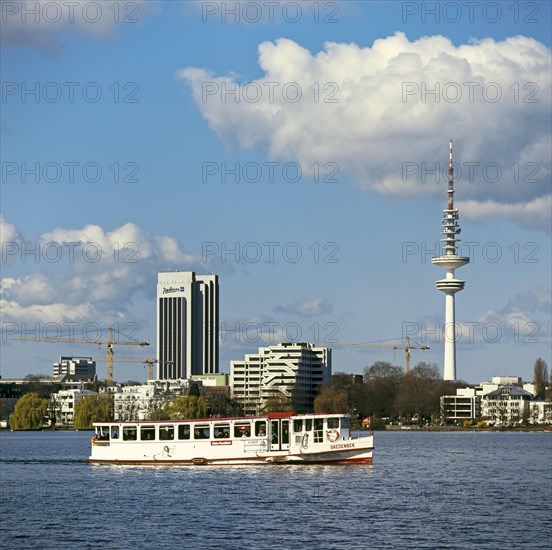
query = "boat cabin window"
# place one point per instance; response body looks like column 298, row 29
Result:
column 129, row 433
column 333, row 423
column 103, row 433
column 318, row 430
column 114, row 432
column 285, row 432
column 147, row 433
column 242, row 429
column 201, row 432
column 222, row 431
column 345, row 423
column 298, row 425
column 308, row 424
column 166, row 433
column 274, row 431
column 183, row 431
column 260, row 428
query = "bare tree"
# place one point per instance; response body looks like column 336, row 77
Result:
column 330, row 400
column 534, row 414
column 540, row 377
column 502, row 411
column 427, row 371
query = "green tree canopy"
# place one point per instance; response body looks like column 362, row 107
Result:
column 278, row 402
column 29, row 412
column 181, row 408
column 219, row 404
column 159, row 414
column 194, row 390
column 93, row 408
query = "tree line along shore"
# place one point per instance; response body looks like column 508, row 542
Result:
column 385, row 397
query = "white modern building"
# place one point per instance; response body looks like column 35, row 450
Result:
column 62, row 405
column 540, row 412
column 76, row 368
column 506, row 406
column 132, row 403
column 286, row 374
column 187, row 325
column 497, row 381
column 505, row 400
column 465, row 405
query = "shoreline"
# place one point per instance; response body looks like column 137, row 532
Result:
column 539, row 429
column 462, row 429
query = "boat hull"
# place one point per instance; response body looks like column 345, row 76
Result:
column 366, row 458
column 357, row 454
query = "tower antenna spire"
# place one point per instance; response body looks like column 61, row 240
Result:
column 450, row 181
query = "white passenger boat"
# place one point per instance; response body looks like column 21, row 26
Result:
column 278, row 438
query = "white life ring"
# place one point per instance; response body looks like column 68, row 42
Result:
column 332, row 436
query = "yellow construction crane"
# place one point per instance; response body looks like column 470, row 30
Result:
column 148, row 361
column 109, row 342
column 406, row 347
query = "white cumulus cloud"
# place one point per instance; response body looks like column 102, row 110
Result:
column 371, row 111
column 86, row 274
column 9, row 238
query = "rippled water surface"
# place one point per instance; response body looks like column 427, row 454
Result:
column 424, row 490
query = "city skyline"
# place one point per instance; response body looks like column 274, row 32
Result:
column 300, row 156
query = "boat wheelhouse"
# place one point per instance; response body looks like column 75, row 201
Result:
column 277, row 438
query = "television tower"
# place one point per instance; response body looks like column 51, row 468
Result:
column 449, row 261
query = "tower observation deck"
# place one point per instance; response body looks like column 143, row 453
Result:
column 450, row 261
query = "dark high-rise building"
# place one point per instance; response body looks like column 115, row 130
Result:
column 187, row 324
column 75, row 368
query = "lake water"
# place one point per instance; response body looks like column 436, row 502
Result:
column 424, row 490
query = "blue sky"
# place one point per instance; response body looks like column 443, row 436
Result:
column 335, row 181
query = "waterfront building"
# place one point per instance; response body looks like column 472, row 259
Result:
column 61, row 408
column 10, row 392
column 506, row 406
column 540, row 412
column 75, row 369
column 499, row 381
column 450, row 261
column 137, row 402
column 505, row 400
column 187, row 325
column 465, row 405
column 285, row 375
